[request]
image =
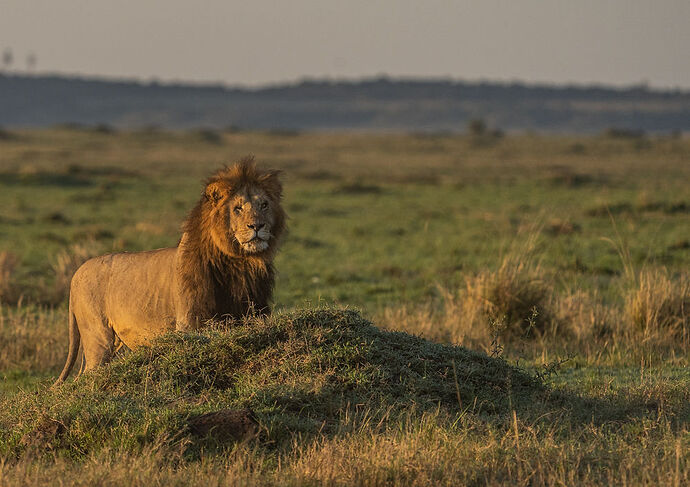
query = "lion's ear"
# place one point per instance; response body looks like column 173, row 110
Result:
column 215, row 192
column 271, row 183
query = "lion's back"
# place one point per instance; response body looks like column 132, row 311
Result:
column 123, row 269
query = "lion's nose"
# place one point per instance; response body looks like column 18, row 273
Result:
column 256, row 226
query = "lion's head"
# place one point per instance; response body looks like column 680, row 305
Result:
column 241, row 210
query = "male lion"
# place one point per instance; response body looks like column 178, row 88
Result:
column 223, row 265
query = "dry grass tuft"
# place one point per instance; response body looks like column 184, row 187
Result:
column 586, row 316
column 8, row 264
column 32, row 340
column 443, row 324
column 516, row 295
column 655, row 312
column 658, row 306
column 516, row 300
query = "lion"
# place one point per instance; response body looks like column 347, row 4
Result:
column 222, row 266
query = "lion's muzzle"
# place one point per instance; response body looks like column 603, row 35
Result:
column 256, row 238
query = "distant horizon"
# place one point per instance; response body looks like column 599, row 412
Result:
column 308, row 103
column 153, row 80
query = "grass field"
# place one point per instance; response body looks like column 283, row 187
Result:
column 562, row 262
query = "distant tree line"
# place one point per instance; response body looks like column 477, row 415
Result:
column 483, row 110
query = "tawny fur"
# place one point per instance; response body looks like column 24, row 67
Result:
column 222, row 266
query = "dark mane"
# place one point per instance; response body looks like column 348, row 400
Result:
column 230, row 282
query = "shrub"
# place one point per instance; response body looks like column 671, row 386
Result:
column 476, row 127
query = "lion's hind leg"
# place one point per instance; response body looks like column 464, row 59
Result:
column 83, row 364
column 97, row 353
column 97, row 339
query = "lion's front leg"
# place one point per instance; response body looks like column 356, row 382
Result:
column 260, row 308
column 193, row 301
column 188, row 320
column 192, row 311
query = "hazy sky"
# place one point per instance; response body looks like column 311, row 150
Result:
column 254, row 42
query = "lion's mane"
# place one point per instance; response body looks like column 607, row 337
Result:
column 229, row 281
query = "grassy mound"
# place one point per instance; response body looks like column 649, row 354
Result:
column 299, row 373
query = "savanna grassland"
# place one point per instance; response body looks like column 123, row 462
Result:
column 542, row 285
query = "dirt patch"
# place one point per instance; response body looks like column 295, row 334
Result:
column 236, row 424
column 44, row 435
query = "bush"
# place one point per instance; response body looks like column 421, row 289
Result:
column 476, row 127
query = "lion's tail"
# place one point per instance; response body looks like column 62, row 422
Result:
column 74, row 341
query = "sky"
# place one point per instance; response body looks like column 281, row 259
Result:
column 259, row 42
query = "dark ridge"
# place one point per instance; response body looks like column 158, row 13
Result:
column 370, row 104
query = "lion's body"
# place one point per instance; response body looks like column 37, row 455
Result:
column 222, row 266
column 129, row 294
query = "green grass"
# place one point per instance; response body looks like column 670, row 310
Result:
column 402, row 227
column 391, row 234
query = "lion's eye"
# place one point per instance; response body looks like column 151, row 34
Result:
column 264, row 205
column 237, row 209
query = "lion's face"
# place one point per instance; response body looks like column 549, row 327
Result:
column 245, row 220
column 251, row 219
